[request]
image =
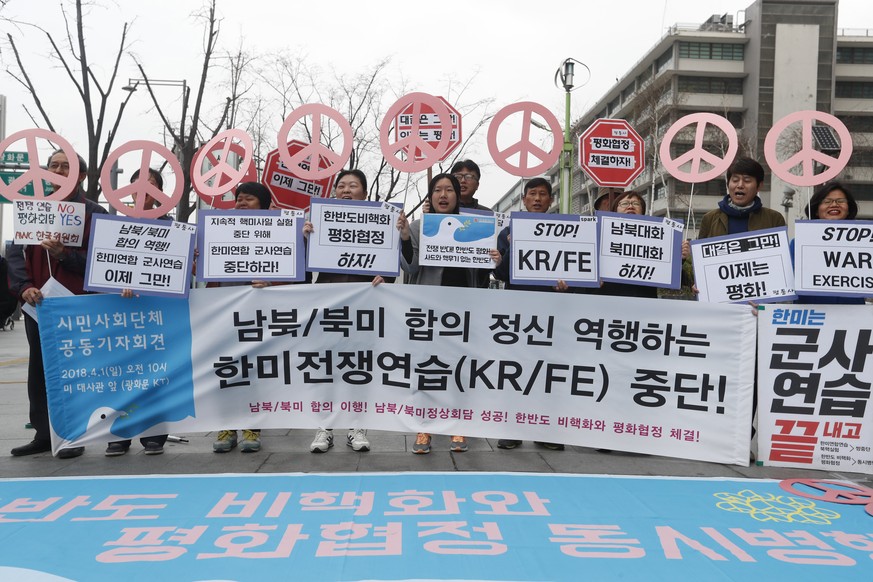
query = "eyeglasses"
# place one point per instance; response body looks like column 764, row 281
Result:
column 835, row 202
column 630, row 203
column 467, row 177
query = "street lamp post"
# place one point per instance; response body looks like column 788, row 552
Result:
column 566, row 76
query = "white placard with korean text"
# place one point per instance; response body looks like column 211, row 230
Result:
column 834, row 257
column 248, row 245
column 753, row 266
column 39, row 220
column 604, row 372
column 456, row 240
column 151, row 257
column 353, row 236
column 641, row 250
column 815, row 371
column 549, row 247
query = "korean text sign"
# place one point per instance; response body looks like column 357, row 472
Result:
column 549, row 247
column 39, row 220
column 246, row 245
column 642, row 250
column 834, row 257
column 151, row 257
column 455, row 240
column 501, row 364
column 754, row 266
column 814, row 384
column 353, row 236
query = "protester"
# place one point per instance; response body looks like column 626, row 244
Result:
column 29, row 269
column 537, row 197
column 832, row 201
column 628, row 203
column 350, row 185
column 153, row 445
column 442, row 196
column 468, row 176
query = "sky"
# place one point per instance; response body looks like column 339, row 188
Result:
column 509, row 50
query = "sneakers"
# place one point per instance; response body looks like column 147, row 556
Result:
column 153, row 448
column 322, row 442
column 116, row 449
column 225, row 442
column 357, row 439
column 550, row 446
column 508, row 444
column 422, row 444
column 251, row 441
column 459, row 444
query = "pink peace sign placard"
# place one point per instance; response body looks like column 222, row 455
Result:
column 523, row 147
column 222, row 177
column 415, row 146
column 697, row 155
column 35, row 174
column 807, row 156
column 140, row 188
column 312, row 151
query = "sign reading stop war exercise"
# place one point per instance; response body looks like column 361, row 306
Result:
column 454, row 240
column 549, row 247
column 754, row 266
column 151, row 257
column 642, row 250
column 39, row 220
column 240, row 245
column 355, row 237
column 834, row 257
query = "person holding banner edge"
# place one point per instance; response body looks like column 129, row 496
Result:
column 350, row 185
column 30, row 268
column 443, row 198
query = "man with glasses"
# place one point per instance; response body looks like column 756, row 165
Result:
column 468, row 174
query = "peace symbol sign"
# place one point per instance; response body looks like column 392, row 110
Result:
column 141, row 186
column 523, row 147
column 413, row 145
column 808, row 155
column 36, row 174
column 221, row 177
column 697, row 154
column 313, row 150
column 831, row 491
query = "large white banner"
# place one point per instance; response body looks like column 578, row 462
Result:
column 814, row 387
column 669, row 378
column 833, row 257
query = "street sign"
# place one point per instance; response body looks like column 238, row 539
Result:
column 428, row 127
column 612, row 153
column 14, row 158
column 288, row 189
column 9, row 177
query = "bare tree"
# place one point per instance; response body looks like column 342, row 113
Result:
column 93, row 94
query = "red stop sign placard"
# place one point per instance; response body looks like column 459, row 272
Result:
column 428, row 126
column 290, row 190
column 612, row 153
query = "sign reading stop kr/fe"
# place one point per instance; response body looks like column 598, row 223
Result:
column 612, row 153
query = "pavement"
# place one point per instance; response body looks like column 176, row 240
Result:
column 285, row 451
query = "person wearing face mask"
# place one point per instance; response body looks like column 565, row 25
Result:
column 443, row 198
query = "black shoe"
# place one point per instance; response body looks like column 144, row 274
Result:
column 604, row 451
column 71, row 453
column 508, row 444
column 153, row 448
column 550, row 446
column 116, row 449
column 32, row 448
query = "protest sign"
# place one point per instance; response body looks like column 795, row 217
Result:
column 549, row 247
column 833, row 257
column 454, row 240
column 246, row 245
column 500, row 364
column 355, row 237
column 755, row 266
column 814, row 387
column 43, row 219
column 642, row 250
column 612, row 153
column 151, row 257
